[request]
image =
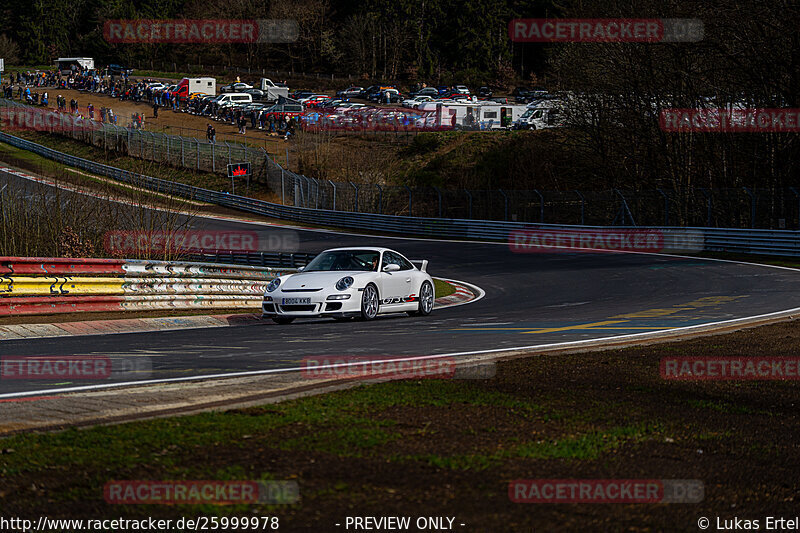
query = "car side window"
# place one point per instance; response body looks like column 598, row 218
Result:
column 391, row 258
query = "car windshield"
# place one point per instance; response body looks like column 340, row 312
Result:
column 361, row 260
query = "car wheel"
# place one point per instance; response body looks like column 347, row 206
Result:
column 426, row 299
column 369, row 303
column 283, row 319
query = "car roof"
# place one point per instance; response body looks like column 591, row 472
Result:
column 365, row 248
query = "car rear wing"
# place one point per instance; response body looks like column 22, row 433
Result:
column 423, row 264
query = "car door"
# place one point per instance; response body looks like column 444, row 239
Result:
column 396, row 285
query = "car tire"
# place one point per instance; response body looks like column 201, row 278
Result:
column 426, row 299
column 283, row 320
column 370, row 302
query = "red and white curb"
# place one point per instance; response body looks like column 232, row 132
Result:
column 465, row 293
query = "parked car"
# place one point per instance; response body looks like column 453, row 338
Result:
column 237, row 87
column 520, row 92
column 350, row 92
column 461, row 89
column 117, row 70
column 484, row 92
column 257, row 94
column 414, row 102
column 301, row 93
column 426, row 91
column 315, row 100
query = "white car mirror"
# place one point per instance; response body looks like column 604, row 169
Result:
column 300, row 269
column 391, row 268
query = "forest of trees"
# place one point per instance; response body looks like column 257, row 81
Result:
column 397, row 39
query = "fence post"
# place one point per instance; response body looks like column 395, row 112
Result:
column 213, row 158
column 797, row 194
column 197, row 154
column 624, row 208
column 167, row 136
column 283, row 189
column 153, row 137
column 334, row 193
column 583, row 207
column 752, row 206
column 469, row 198
column 380, row 199
column 439, row 193
column 666, row 207
column 229, row 151
column 409, row 199
column 541, row 205
column 708, row 205
column 505, row 201
column 183, row 158
column 356, row 189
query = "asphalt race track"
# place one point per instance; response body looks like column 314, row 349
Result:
column 531, row 299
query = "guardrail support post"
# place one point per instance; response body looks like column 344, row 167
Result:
column 469, row 197
column 666, row 207
column 797, row 194
column 583, row 207
column 354, row 186
column 439, row 193
column 334, row 193
column 752, row 206
column 380, row 199
column 624, row 209
column 505, row 204
column 708, row 205
column 541, row 205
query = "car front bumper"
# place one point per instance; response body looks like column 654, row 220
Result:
column 318, row 305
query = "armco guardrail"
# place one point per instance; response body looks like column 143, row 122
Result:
column 35, row 285
column 676, row 240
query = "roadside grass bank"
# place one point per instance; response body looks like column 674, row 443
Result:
column 450, row 447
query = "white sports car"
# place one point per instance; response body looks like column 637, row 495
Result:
column 351, row 282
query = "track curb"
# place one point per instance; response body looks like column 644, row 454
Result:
column 465, row 293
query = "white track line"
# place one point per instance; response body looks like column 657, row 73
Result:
column 564, row 344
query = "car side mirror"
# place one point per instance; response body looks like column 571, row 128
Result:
column 300, row 269
column 391, row 268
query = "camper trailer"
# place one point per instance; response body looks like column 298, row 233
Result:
column 66, row 65
column 189, row 86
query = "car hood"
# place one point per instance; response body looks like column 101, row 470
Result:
column 318, row 280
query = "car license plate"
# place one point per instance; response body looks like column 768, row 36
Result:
column 292, row 301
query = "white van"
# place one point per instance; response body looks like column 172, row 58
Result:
column 235, row 98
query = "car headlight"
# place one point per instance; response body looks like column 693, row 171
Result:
column 274, row 284
column 344, row 283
